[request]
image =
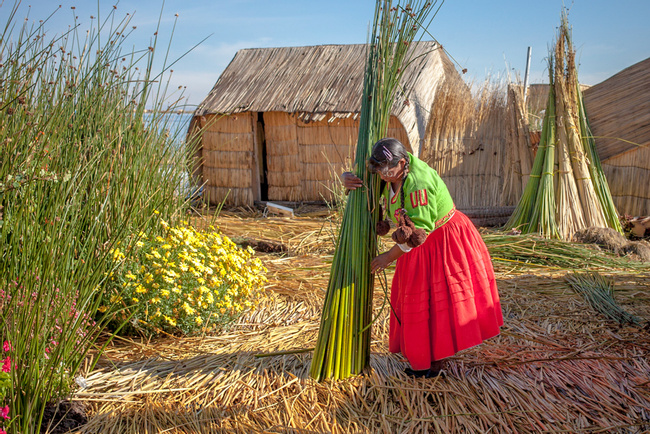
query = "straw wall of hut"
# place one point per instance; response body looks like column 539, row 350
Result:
column 281, row 123
column 628, row 175
column 228, row 157
column 304, row 158
column 301, row 158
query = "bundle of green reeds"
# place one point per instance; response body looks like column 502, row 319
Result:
column 599, row 293
column 343, row 346
column 522, row 253
column 567, row 189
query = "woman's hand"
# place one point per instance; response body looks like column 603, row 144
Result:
column 381, row 262
column 351, row 181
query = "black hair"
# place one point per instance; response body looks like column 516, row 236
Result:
column 385, row 155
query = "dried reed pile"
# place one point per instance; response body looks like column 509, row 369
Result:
column 472, row 136
column 518, row 152
column 557, row 366
column 567, row 189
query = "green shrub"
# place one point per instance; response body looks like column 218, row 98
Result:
column 184, row 280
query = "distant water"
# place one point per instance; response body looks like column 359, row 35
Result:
column 176, row 124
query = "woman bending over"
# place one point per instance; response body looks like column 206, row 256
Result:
column 444, row 294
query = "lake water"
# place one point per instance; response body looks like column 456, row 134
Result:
column 176, row 124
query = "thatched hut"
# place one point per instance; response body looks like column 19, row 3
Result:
column 280, row 123
column 619, row 115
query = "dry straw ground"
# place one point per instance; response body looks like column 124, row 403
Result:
column 556, row 367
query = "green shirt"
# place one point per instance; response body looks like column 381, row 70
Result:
column 426, row 198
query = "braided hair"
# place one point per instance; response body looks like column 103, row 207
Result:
column 385, row 155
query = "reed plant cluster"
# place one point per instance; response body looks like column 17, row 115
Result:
column 80, row 170
column 567, row 189
column 343, row 345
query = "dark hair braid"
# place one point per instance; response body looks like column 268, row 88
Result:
column 401, row 187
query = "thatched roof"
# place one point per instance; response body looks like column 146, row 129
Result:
column 317, row 80
column 619, row 110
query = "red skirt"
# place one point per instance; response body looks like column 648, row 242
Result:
column 444, row 295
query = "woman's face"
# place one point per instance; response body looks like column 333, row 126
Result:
column 394, row 174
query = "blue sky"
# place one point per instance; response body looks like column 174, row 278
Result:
column 489, row 38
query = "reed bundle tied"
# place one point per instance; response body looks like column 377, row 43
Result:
column 343, row 346
column 567, row 189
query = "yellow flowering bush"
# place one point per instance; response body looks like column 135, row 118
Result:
column 185, row 281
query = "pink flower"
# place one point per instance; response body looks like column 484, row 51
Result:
column 6, row 365
column 6, row 346
column 2, row 431
column 4, row 412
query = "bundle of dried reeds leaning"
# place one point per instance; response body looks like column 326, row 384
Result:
column 567, row 189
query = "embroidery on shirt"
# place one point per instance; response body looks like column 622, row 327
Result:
column 419, row 198
column 393, row 200
column 446, row 218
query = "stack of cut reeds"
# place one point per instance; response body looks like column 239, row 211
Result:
column 567, row 189
column 343, row 346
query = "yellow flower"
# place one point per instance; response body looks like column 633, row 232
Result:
column 102, row 309
column 117, row 254
column 188, row 309
column 140, row 289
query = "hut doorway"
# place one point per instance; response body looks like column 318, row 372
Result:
column 262, row 165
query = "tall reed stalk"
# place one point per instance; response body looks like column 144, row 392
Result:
column 343, row 346
column 80, row 170
column 567, row 189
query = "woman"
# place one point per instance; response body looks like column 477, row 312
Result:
column 444, row 295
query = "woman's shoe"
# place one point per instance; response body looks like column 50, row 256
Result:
column 425, row 373
column 434, row 371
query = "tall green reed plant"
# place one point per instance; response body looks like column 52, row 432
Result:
column 343, row 345
column 80, row 170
